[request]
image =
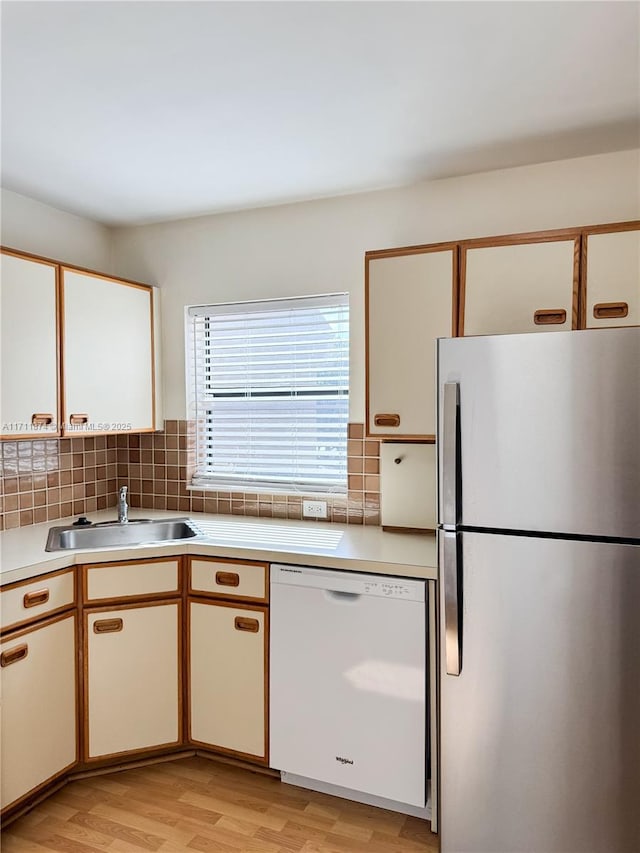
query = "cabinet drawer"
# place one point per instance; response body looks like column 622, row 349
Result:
column 43, row 596
column 228, row 579
column 133, row 580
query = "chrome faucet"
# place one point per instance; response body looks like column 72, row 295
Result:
column 123, row 506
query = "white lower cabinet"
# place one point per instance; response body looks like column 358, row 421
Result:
column 133, row 683
column 39, row 710
column 228, row 659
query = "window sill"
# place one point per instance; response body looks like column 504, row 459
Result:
column 277, row 493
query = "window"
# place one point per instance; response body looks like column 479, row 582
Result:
column 269, row 391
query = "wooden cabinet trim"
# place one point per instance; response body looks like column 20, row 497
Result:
column 612, row 227
column 422, row 249
column 523, row 238
column 84, row 724
column 235, row 605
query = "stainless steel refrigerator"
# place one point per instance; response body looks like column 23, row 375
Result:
column 539, row 555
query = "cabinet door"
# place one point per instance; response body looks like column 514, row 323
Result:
column 524, row 287
column 29, row 397
column 108, row 355
column 612, row 279
column 409, row 303
column 228, row 649
column 39, row 739
column 133, row 690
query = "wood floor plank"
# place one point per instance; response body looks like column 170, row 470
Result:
column 241, row 812
column 142, row 840
column 73, row 831
column 196, row 804
column 16, row 844
column 147, row 826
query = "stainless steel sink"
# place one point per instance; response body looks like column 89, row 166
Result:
column 110, row 533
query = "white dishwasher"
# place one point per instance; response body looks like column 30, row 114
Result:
column 348, row 687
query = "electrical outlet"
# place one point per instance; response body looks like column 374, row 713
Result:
column 314, row 509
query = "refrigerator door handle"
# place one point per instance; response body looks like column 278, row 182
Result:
column 450, row 454
column 452, row 601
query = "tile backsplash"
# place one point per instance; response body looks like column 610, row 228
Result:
column 43, row 480
column 55, row 478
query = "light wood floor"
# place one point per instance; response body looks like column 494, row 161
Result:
column 197, row 804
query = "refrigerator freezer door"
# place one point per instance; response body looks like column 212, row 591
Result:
column 549, row 431
column 539, row 737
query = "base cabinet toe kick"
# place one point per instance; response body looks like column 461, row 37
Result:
column 109, row 664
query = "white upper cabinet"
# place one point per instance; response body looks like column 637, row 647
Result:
column 108, row 354
column 519, row 287
column 409, row 303
column 28, row 306
column 612, row 279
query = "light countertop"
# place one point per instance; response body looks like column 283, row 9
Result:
column 334, row 546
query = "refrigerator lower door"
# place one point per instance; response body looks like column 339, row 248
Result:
column 540, row 745
column 546, row 436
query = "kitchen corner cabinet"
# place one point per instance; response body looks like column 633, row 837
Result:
column 519, row 286
column 39, row 711
column 108, row 354
column 29, row 351
column 409, row 302
column 133, row 678
column 228, row 661
column 611, row 264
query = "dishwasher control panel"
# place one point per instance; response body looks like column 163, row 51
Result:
column 389, row 589
column 352, row 583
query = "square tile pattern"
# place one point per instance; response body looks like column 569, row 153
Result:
column 44, row 480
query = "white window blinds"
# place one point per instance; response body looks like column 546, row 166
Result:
column 269, row 390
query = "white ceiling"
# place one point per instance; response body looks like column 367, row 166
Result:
column 138, row 111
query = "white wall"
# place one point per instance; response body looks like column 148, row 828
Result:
column 318, row 246
column 37, row 228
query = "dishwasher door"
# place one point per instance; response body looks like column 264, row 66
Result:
column 348, row 693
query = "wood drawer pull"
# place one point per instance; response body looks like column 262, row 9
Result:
column 41, row 419
column 14, row 655
column 40, row 596
column 107, row 626
column 227, row 579
column 240, row 623
column 605, row 310
column 78, row 420
column 550, row 317
column 386, row 420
